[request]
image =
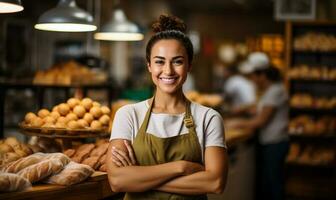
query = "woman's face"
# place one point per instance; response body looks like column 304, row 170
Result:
column 168, row 65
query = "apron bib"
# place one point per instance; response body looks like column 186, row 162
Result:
column 152, row 150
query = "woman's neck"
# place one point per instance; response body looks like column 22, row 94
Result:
column 169, row 103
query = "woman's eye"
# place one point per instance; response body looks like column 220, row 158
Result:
column 178, row 62
column 159, row 62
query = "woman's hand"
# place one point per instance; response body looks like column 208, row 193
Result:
column 191, row 167
column 122, row 159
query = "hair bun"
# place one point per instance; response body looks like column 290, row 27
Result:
column 167, row 22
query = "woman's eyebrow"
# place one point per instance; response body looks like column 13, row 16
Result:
column 176, row 57
column 159, row 57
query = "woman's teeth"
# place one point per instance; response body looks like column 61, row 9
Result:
column 168, row 80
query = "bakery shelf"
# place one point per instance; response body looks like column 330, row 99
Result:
column 312, row 111
column 312, row 81
column 311, row 52
column 330, row 165
column 312, row 136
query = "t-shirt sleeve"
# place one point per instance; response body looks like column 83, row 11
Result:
column 122, row 127
column 275, row 97
column 214, row 130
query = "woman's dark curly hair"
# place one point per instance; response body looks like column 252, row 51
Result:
column 170, row 27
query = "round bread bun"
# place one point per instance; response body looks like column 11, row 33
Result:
column 72, row 102
column 60, row 125
column 104, row 120
column 79, row 110
column 37, row 122
column 88, row 118
column 49, row 120
column 62, row 119
column 96, row 112
column 73, row 124
column 95, row 124
column 82, row 123
column 29, row 117
column 87, row 103
column 95, row 103
column 48, row 125
column 55, row 114
column 63, row 109
column 43, row 113
column 71, row 116
column 55, row 108
column 105, row 110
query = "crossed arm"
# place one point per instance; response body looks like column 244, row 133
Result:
column 181, row 177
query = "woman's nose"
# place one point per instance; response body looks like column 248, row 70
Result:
column 168, row 68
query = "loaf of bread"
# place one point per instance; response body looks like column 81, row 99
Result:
column 100, row 150
column 92, row 161
column 16, row 166
column 70, row 152
column 12, row 182
column 71, row 174
column 83, row 152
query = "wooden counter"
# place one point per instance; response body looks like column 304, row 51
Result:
column 96, row 187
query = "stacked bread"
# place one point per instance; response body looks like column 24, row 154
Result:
column 11, row 149
column 302, row 100
column 312, row 72
column 304, row 124
column 312, row 41
column 54, row 168
column 212, row 100
column 93, row 155
column 310, row 155
column 74, row 114
column 69, row 73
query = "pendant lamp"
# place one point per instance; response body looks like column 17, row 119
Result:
column 10, row 6
column 119, row 28
column 66, row 17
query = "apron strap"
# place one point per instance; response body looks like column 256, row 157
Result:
column 144, row 124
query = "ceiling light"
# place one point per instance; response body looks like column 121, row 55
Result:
column 10, row 6
column 119, row 28
column 66, row 17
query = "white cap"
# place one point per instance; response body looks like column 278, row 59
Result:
column 258, row 60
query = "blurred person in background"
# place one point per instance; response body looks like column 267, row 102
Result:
column 271, row 121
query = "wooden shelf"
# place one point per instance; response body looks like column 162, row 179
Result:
column 312, row 111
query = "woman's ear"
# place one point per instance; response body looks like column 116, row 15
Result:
column 148, row 67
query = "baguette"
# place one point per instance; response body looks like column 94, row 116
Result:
column 13, row 182
column 16, row 166
column 71, row 174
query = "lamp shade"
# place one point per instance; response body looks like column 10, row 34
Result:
column 119, row 29
column 66, row 17
column 10, row 6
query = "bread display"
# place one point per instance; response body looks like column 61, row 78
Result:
column 211, row 100
column 12, row 182
column 93, row 155
column 312, row 72
column 310, row 155
column 49, row 165
column 71, row 174
column 313, row 41
column 302, row 100
column 11, row 149
column 69, row 73
column 75, row 114
column 307, row 125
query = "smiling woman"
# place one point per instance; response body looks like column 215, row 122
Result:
column 167, row 147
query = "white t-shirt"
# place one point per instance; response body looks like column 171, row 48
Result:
column 240, row 91
column 276, row 129
column 208, row 124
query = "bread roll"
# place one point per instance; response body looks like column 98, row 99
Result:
column 96, row 112
column 63, row 109
column 55, row 114
column 88, row 118
column 29, row 117
column 105, row 110
column 38, row 122
column 95, row 103
column 82, row 123
column 49, row 120
column 95, row 124
column 92, row 161
column 71, row 117
column 104, row 120
column 87, row 103
column 72, row 102
column 43, row 113
column 79, row 111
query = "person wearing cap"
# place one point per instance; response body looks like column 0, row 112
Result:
column 270, row 122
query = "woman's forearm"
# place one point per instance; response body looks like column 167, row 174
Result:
column 198, row 183
column 142, row 178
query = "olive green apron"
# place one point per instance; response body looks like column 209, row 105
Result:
column 152, row 150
